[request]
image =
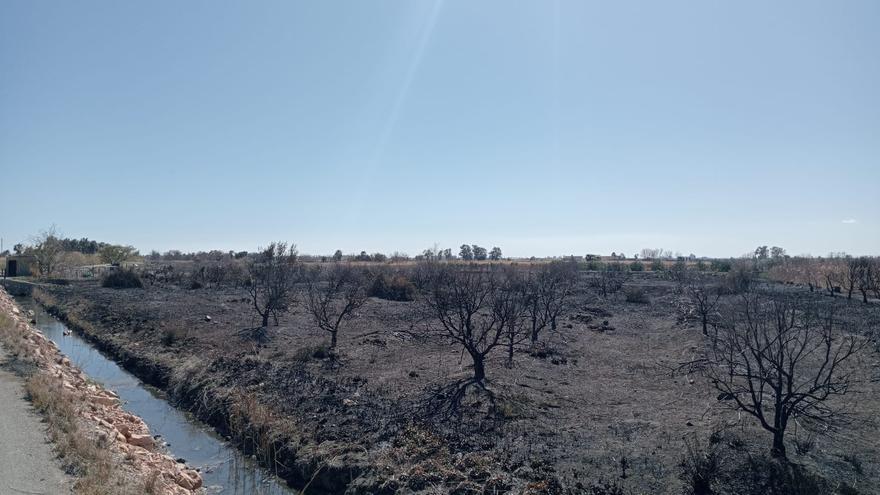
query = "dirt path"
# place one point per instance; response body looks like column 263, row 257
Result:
column 27, row 463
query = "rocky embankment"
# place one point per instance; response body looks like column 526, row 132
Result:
column 98, row 410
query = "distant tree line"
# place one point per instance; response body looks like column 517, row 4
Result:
column 84, row 245
column 467, row 252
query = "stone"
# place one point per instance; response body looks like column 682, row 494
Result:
column 103, row 400
column 188, row 479
column 143, row 441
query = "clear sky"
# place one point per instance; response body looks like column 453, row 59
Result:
column 542, row 127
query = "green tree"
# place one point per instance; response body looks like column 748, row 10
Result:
column 466, row 253
column 762, row 252
column 495, row 253
column 777, row 253
column 115, row 254
column 480, row 253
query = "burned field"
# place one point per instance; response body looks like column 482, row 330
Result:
column 612, row 400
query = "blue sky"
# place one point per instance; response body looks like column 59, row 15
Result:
column 542, row 127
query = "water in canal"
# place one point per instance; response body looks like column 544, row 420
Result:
column 224, row 469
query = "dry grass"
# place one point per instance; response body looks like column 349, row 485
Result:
column 83, row 454
column 256, row 425
column 12, row 337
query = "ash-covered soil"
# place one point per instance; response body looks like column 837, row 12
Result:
column 598, row 408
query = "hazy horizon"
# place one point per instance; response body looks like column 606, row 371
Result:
column 304, row 248
column 545, row 128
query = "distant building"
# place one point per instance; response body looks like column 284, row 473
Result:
column 20, row 265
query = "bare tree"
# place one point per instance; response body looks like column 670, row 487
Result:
column 779, row 359
column 651, row 253
column 873, row 282
column 680, row 274
column 273, row 274
column 468, row 302
column 810, row 273
column 833, row 271
column 741, row 277
column 704, row 301
column 334, row 298
column 865, row 276
column 849, row 275
column 831, row 277
column 47, row 250
column 610, row 279
column 548, row 293
column 513, row 301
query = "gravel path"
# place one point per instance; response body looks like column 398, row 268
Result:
column 27, row 463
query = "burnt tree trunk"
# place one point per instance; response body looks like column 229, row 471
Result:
column 778, row 450
column 479, row 366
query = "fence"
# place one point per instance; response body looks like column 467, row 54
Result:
column 87, row 272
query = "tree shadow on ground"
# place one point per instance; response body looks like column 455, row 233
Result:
column 255, row 335
column 458, row 400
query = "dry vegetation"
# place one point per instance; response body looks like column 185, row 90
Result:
column 83, row 453
column 85, row 422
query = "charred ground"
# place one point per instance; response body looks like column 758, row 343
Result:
column 596, row 410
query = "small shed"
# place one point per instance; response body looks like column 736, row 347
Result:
column 20, row 265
